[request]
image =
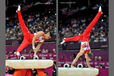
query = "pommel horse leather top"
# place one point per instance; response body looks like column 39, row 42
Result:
column 29, row 64
column 78, row 72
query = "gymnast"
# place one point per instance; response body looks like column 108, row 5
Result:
column 29, row 38
column 84, row 38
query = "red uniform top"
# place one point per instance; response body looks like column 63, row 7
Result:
column 85, row 46
column 39, row 39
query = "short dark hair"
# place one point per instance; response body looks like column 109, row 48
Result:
column 90, row 55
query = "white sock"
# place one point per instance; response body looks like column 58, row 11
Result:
column 19, row 8
column 17, row 53
column 100, row 9
column 62, row 42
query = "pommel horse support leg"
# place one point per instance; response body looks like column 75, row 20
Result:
column 78, row 72
column 23, row 67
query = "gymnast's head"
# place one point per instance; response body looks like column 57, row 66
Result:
column 47, row 35
column 90, row 55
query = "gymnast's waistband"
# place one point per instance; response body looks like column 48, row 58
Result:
column 85, row 45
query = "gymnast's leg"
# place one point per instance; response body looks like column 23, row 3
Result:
column 24, row 44
column 21, row 21
column 25, row 32
column 75, row 38
column 94, row 21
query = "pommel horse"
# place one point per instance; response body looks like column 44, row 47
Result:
column 23, row 67
column 78, row 72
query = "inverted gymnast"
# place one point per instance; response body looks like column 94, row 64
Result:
column 29, row 38
column 84, row 38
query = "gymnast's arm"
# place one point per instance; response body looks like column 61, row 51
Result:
column 35, row 37
column 87, row 60
column 38, row 46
